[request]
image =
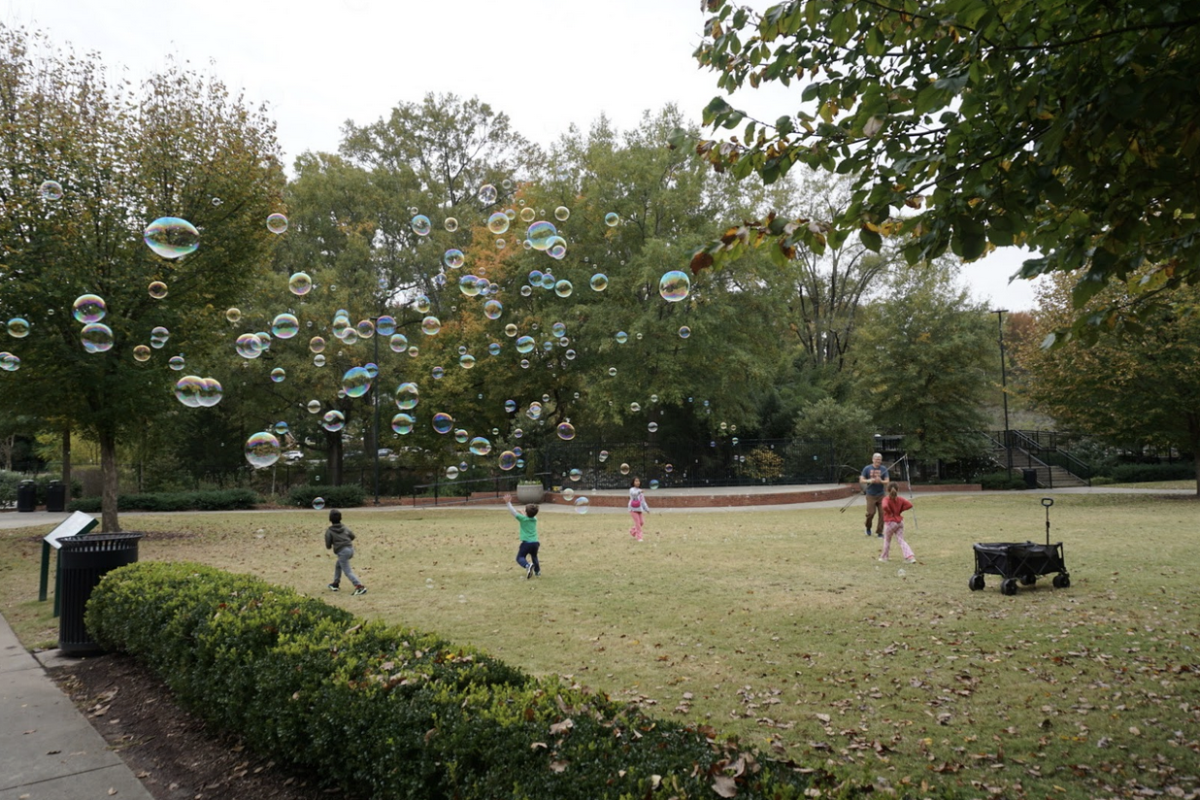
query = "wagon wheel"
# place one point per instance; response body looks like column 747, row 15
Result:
column 1029, row 580
column 1062, row 580
column 1008, row 586
column 976, row 582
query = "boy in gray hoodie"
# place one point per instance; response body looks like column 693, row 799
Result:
column 338, row 538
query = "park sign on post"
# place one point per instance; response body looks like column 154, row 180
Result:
column 74, row 525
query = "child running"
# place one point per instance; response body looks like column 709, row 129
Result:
column 338, row 538
column 893, row 524
column 637, row 507
column 529, row 538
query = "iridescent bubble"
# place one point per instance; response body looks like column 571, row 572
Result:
column 333, row 420
column 421, row 225
column 654, row 484
column 451, row 224
column 563, row 288
column 480, row 446
column 438, row 373
column 249, row 345
column 216, row 201
column 599, row 282
column 318, row 503
column 566, row 431
column 421, row 304
column 527, row 214
column 365, row 328
column 557, row 251
column 158, row 290
column 285, row 326
column 612, row 372
column 171, row 237
column 488, row 194
column 510, row 406
column 652, row 427
column 356, row 382
column 540, row 234
column 96, row 338
column 576, row 475
column 492, row 309
column 430, row 326
column 568, row 494
column 89, row 308
column 674, row 286
column 622, row 337
column 684, row 332
column 461, row 436
column 562, row 213
column 398, row 342
column 234, row 315
column 187, row 390
column 176, row 363
column 402, row 423
column 635, row 407
column 653, row 398
column 158, row 337
column 534, row 411
column 317, row 344
column 443, row 422
column 518, row 433
column 277, row 223
column 349, row 336
column 407, row 396
column 451, row 473
column 466, row 361
column 624, row 469
column 372, row 369
column 508, row 460
column 469, row 285
column 385, row 325
column 581, row 505
column 559, row 329
column 300, row 284
column 278, row 375
column 262, row 449
column 18, row 327
column 510, row 330
column 498, row 223
column 141, row 353
column 611, row 219
column 413, row 351
column 603, row 456
column 50, row 190
column 453, row 258
column 525, row 344
column 210, row 392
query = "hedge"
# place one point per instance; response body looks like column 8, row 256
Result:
column 997, row 481
column 386, row 712
column 1140, row 473
column 347, row 496
column 221, row 500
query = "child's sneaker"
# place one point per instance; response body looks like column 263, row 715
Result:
column 360, row 589
column 910, row 560
column 333, row 587
column 868, row 531
column 529, row 571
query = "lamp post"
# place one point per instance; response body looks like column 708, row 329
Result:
column 1004, row 389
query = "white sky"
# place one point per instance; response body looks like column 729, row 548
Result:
column 547, row 64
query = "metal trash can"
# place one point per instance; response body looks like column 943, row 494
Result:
column 1030, row 476
column 56, row 496
column 85, row 559
column 26, row 496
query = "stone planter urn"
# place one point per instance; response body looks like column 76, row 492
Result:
column 529, row 492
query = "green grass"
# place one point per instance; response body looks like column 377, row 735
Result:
column 783, row 628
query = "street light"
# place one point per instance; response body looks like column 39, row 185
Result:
column 1004, row 388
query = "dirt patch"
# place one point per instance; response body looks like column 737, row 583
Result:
column 176, row 756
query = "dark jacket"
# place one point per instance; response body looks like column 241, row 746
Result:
column 338, row 537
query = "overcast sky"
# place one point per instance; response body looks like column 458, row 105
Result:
column 547, row 64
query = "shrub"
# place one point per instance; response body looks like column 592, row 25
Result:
column 1139, row 473
column 222, row 500
column 347, row 496
column 999, row 481
column 392, row 712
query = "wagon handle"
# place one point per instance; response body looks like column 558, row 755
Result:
column 1047, row 502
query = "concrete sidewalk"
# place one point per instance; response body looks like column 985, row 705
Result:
column 48, row 750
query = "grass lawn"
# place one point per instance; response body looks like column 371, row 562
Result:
column 782, row 627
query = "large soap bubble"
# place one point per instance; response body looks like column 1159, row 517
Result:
column 285, row 326
column 249, row 345
column 277, row 223
column 96, row 338
column 300, row 284
column 674, row 286
column 171, row 237
column 262, row 449
column 89, row 308
column 540, row 235
column 356, row 382
column 407, row 396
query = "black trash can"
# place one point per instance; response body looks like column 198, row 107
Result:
column 56, row 496
column 26, row 496
column 1030, row 476
column 84, row 561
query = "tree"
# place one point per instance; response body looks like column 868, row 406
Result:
column 1070, row 128
column 180, row 147
column 1140, row 386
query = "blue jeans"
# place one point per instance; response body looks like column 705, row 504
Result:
column 343, row 565
column 529, row 549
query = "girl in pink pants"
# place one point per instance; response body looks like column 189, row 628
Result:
column 637, row 507
column 893, row 524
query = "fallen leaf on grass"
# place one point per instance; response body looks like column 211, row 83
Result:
column 724, row 786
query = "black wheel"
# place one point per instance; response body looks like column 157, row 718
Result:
column 1008, row 586
column 1062, row 580
column 1028, row 580
column 976, row 582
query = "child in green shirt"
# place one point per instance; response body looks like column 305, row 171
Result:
column 529, row 538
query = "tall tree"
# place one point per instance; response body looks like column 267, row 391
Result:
column 967, row 124
column 182, row 147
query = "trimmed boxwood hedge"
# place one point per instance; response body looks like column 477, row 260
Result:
column 348, row 496
column 1141, row 473
column 218, row 500
column 388, row 712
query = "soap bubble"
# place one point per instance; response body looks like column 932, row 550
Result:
column 900, row 573
column 234, row 315
column 599, row 282
column 210, row 392
column 333, row 420
column 466, row 361
column 451, row 472
column 487, row 194
column 576, row 475
column 564, row 288
column 262, row 450
column 450, row 224
column 508, row 460
column 50, row 190
column 654, row 484
column 277, row 223
column 498, row 223
column 568, row 494
column 558, row 329
column 171, row 237
column 176, row 363
column 525, row 344
column 624, row 469
column 540, row 234
column 278, row 374
column 562, row 213
column 313, row 406
column 318, row 503
column 453, row 258
column 402, row 423
column 365, row 328
column 18, row 327
column 581, row 505
column 566, row 431
column 89, row 308
column 430, row 326
column 421, row 225
column 96, row 338
column 480, row 446
column 285, row 326
column 317, row 344
column 157, row 290
column 249, row 345
column 669, row 468
column 527, row 214
column 635, row 407
column 159, row 337
column 469, row 285
column 612, row 372
column 385, row 325
column 461, row 436
column 674, row 286
column 187, row 390
column 492, row 309
column 611, row 219
column 442, row 422
column 652, row 427
column 510, row 406
column 622, row 337
column 407, row 396
column 603, row 456
column 356, row 382
column 438, row 373
column 684, row 332
column 141, row 353
column 300, row 284
column 421, row 304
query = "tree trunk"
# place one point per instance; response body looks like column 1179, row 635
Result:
column 66, row 458
column 111, row 483
column 333, row 458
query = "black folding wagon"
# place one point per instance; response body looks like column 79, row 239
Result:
column 1020, row 561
